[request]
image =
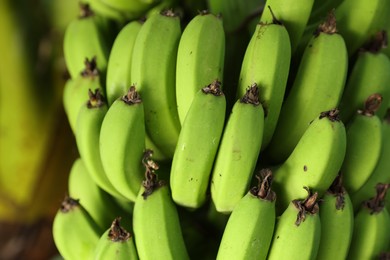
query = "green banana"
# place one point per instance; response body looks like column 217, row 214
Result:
column 315, row 161
column 122, row 143
column 320, row 9
column 364, row 145
column 84, row 38
column 132, row 8
column 200, row 58
column 106, row 11
column 238, row 152
column 197, row 146
column 116, row 243
column 293, row 14
column 75, row 233
column 153, row 71
column 248, row 233
column 371, row 234
column 324, row 63
column 118, row 77
column 369, row 75
column 156, row 223
column 336, row 214
column 266, row 62
column 297, row 231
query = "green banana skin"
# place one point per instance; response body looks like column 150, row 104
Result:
column 116, row 243
column 293, row 14
column 122, row 143
column 297, row 231
column 315, row 161
column 88, row 125
column 153, row 72
column 250, row 227
column 132, row 8
column 74, row 231
column 104, row 10
column 238, row 151
column 200, row 58
column 197, row 147
column 371, row 227
column 266, row 62
column 336, row 214
column 118, row 77
column 324, row 63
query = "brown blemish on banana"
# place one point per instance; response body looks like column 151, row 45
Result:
column 304, row 168
column 337, row 189
column 151, row 181
column 328, row 26
column 307, row 206
column 377, row 203
column 117, row 233
column 371, row 105
column 69, row 204
column 263, row 190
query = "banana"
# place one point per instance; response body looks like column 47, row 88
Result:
column 153, row 71
column 156, row 223
column 119, row 62
column 200, row 58
column 293, row 14
column 336, row 214
column 133, row 9
column 197, row 146
column 297, row 231
column 248, row 233
column 364, row 145
column 324, row 63
column 371, row 234
column 266, row 62
column 84, row 38
column 106, row 11
column 75, row 233
column 116, row 243
column 369, row 75
column 238, row 152
column 315, row 161
column 320, row 9
column 122, row 143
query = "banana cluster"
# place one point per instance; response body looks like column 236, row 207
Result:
column 169, row 147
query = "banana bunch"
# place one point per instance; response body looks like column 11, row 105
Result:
column 170, row 146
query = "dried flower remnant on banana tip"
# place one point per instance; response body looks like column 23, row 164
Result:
column 151, row 181
column 307, row 206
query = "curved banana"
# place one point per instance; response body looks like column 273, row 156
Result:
column 249, row 230
column 153, row 71
column 118, row 77
column 336, row 214
column 266, row 62
column 156, row 223
column 106, row 11
column 197, row 146
column 297, row 231
column 75, row 233
column 315, row 161
column 200, row 58
column 133, row 9
column 88, row 126
column 293, row 14
column 371, row 234
column 116, row 243
column 122, row 143
column 84, row 38
column 324, row 63
column 238, row 151
column 364, row 145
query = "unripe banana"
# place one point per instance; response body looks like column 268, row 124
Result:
column 369, row 75
column 364, row 145
column 132, row 8
column 84, row 38
column 197, row 146
column 89, row 122
column 266, row 62
column 323, row 64
column 116, row 243
column 315, row 161
column 119, row 62
column 122, row 143
column 104, row 10
column 238, row 152
column 293, row 14
column 74, row 231
column 200, row 58
column 156, row 223
column 320, row 9
column 371, row 234
column 297, row 231
column 153, row 71
column 249, row 231
column 336, row 214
